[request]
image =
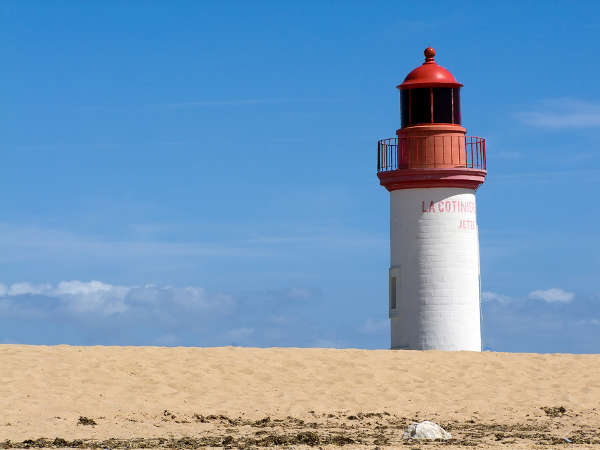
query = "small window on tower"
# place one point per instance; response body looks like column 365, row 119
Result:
column 392, row 292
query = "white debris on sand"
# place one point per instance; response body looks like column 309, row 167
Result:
column 425, row 430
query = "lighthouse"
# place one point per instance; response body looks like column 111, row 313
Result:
column 432, row 169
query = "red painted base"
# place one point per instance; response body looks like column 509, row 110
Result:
column 431, row 178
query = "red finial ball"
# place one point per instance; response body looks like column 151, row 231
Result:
column 429, row 54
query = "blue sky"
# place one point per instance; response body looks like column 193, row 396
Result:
column 203, row 173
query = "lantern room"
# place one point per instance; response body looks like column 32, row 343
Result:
column 429, row 94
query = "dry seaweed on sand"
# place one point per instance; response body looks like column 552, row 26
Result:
column 86, row 421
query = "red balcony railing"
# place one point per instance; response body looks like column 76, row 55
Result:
column 427, row 152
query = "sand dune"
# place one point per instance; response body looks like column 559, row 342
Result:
column 248, row 396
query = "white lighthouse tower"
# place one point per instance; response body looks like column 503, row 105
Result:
column 432, row 169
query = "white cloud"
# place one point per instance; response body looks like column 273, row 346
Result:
column 374, row 326
column 553, row 295
column 563, row 113
column 28, row 289
column 488, row 296
column 91, row 296
column 107, row 299
column 191, row 297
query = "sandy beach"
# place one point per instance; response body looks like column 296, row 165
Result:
column 247, row 397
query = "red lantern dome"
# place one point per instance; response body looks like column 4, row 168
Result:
column 429, row 74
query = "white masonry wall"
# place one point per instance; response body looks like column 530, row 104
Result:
column 435, row 266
